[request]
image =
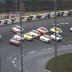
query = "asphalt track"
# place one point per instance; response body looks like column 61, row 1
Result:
column 35, row 53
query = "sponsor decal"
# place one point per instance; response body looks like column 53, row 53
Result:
column 35, row 17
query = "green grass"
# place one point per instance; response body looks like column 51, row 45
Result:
column 64, row 63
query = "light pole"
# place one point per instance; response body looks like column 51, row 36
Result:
column 55, row 9
column 21, row 48
column 0, row 60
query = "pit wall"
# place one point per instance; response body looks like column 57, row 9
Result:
column 34, row 17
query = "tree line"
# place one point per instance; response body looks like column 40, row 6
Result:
column 31, row 5
column 8, row 6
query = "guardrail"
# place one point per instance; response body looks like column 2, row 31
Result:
column 35, row 17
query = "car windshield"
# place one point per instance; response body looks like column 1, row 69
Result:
column 44, row 29
column 34, row 31
column 18, row 37
column 57, row 29
column 19, row 34
column 57, row 35
column 47, row 36
column 37, row 32
column 28, row 34
column 18, row 27
column 15, row 39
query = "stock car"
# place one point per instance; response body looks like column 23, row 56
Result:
column 35, row 33
column 58, row 30
column 56, row 37
column 42, row 30
column 19, row 36
column 45, row 38
column 28, row 36
column 17, row 29
column 0, row 36
column 70, row 29
column 15, row 40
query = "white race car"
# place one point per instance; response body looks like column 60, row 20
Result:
column 56, row 37
column 45, row 38
column 70, row 29
column 18, row 36
column 35, row 33
column 15, row 41
column 17, row 29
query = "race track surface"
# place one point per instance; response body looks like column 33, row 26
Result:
column 35, row 53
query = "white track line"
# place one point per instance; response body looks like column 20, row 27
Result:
column 32, row 52
column 64, row 23
column 46, row 49
column 69, row 45
column 64, row 46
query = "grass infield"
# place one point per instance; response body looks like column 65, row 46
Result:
column 64, row 63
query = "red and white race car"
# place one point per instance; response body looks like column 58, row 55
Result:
column 17, row 29
column 15, row 41
column 42, row 30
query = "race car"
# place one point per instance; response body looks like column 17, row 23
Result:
column 17, row 29
column 15, row 41
column 56, row 37
column 55, row 30
column 45, row 38
column 19, row 36
column 42, row 30
column 35, row 33
column 28, row 36
column 0, row 36
column 70, row 29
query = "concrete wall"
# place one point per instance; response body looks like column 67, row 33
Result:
column 35, row 17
